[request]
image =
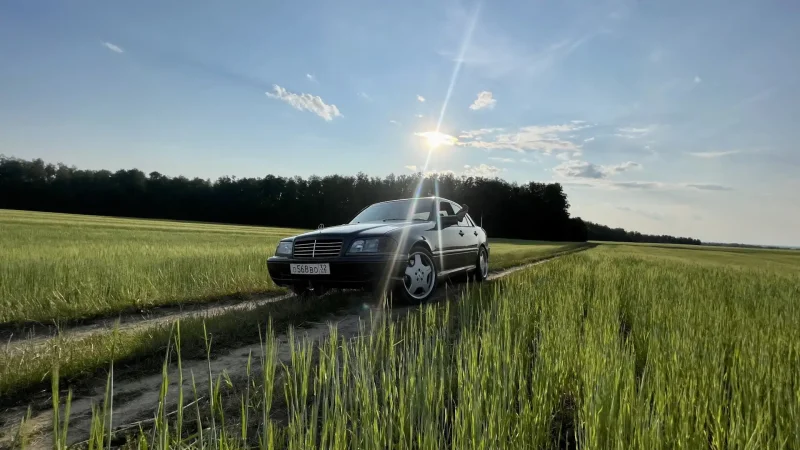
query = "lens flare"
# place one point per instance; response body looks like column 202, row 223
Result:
column 436, row 139
column 464, row 46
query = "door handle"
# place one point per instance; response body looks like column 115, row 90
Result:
column 461, row 232
column 476, row 233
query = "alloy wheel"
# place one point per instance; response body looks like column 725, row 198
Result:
column 483, row 262
column 419, row 277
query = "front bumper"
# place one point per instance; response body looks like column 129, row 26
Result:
column 345, row 271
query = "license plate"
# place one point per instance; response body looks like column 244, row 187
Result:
column 310, row 269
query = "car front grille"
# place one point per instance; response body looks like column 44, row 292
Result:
column 320, row 248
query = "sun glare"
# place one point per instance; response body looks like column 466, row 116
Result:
column 436, row 139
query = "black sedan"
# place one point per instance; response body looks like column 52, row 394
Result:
column 409, row 244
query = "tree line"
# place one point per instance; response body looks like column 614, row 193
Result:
column 538, row 211
column 597, row 232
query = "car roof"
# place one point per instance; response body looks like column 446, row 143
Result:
column 409, row 198
column 416, row 198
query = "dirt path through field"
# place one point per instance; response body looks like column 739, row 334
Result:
column 164, row 315
column 135, row 399
column 153, row 316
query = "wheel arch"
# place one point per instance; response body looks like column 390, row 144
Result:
column 421, row 242
column 410, row 241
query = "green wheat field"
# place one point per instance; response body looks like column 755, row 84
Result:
column 619, row 346
column 58, row 267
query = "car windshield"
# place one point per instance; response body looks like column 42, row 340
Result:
column 411, row 209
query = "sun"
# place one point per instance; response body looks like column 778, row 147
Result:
column 436, row 139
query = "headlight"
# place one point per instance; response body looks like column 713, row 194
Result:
column 284, row 248
column 372, row 245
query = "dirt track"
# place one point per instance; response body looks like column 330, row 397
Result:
column 134, row 399
column 151, row 317
column 163, row 315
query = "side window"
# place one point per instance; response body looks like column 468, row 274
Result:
column 445, row 209
column 469, row 219
column 463, row 222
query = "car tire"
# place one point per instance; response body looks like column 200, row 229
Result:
column 482, row 265
column 419, row 277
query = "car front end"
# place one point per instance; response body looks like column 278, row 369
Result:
column 336, row 261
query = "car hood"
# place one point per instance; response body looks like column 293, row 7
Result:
column 360, row 229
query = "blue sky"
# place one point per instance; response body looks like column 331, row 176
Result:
column 671, row 117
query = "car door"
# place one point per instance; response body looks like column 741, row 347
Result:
column 448, row 240
column 468, row 239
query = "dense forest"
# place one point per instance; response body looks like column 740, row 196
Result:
column 528, row 211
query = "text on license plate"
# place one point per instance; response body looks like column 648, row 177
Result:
column 310, row 269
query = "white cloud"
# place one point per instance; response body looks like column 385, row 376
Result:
column 709, row 155
column 543, row 138
column 577, row 122
column 645, row 185
column 394, row 122
column 420, row 98
column 527, row 161
column 619, row 168
column 482, row 171
column 411, row 168
column 419, row 116
column 583, row 169
column 475, row 134
column 504, row 160
column 306, row 102
column 697, row 79
column 364, row 95
column 589, row 139
column 635, row 133
column 633, row 130
column 707, row 186
column 113, row 48
column 578, row 169
column 484, row 100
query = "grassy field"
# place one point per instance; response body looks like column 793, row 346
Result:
column 616, row 347
column 783, row 261
column 111, row 264
column 58, row 267
column 507, row 253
